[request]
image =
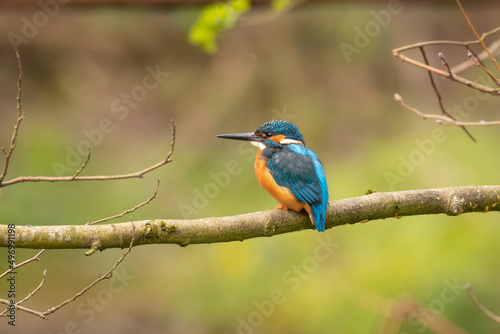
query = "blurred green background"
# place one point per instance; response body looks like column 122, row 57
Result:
column 82, row 61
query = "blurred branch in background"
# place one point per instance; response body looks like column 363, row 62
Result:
column 178, row 3
column 451, row 73
column 480, row 306
column 408, row 308
column 404, row 308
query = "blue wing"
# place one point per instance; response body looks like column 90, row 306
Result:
column 298, row 168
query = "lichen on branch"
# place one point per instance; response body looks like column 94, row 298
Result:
column 450, row 201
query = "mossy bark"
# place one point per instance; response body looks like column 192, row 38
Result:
column 450, row 201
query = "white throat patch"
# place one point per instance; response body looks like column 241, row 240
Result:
column 258, row 144
column 290, row 141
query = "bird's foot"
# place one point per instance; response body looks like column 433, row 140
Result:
column 281, row 207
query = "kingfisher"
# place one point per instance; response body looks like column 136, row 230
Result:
column 288, row 170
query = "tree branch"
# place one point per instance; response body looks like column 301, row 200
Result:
column 438, row 95
column 477, row 35
column 450, row 201
column 34, row 258
column 480, row 306
column 129, row 210
column 448, row 73
column 20, row 116
column 75, row 177
column 442, row 119
column 44, row 315
column 108, row 275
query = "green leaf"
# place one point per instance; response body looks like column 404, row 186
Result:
column 214, row 19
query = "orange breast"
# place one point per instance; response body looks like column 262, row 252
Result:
column 282, row 194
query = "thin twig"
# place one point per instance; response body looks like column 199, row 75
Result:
column 450, row 73
column 18, row 304
column 457, row 78
column 445, row 63
column 24, row 309
column 446, row 42
column 44, row 275
column 434, row 86
column 477, row 35
column 442, row 119
column 13, row 139
column 99, row 177
column 83, row 165
column 34, row 258
column 108, row 275
column 480, row 306
column 129, row 210
column 478, row 63
column 469, row 63
column 399, row 53
column 75, row 177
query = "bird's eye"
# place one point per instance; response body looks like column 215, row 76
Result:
column 269, row 134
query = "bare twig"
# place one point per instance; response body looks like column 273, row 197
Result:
column 129, row 210
column 95, row 178
column 480, row 306
column 446, row 42
column 13, row 139
column 24, row 309
column 75, row 177
column 442, row 119
column 450, row 72
column 477, row 35
column 108, row 275
column 445, row 63
column 34, row 258
column 457, row 78
column 44, row 315
column 44, row 275
column 438, row 95
column 83, row 165
column 481, row 56
column 478, row 63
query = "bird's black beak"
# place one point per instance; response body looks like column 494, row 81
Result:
column 247, row 136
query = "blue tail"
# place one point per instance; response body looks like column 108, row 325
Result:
column 319, row 209
column 319, row 213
